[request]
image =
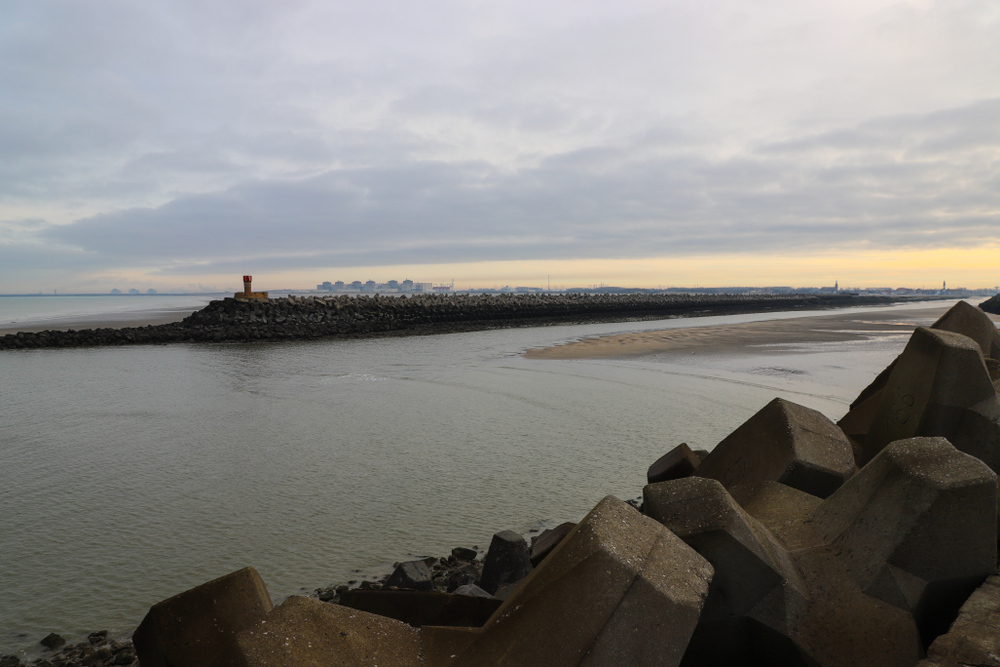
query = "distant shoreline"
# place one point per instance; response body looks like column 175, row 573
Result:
column 298, row 318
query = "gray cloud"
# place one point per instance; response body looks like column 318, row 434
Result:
column 883, row 183
column 299, row 134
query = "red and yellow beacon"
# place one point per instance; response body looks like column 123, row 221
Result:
column 246, row 293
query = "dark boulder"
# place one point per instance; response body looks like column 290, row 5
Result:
column 413, row 575
column 506, row 562
column 543, row 545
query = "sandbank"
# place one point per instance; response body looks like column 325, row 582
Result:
column 747, row 337
column 134, row 318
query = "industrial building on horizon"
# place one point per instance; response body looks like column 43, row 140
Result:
column 393, row 286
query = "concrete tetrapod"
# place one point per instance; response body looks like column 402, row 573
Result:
column 197, row 628
column 761, row 610
column 302, row 632
column 962, row 318
column 786, row 443
column 619, row 590
column 939, row 386
column 916, row 527
column 974, row 637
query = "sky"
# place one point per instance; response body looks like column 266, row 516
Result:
column 177, row 145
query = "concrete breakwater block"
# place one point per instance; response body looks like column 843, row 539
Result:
column 764, row 606
column 619, row 590
column 748, row 563
column 916, row 527
column 678, row 462
column 786, row 443
column 302, row 632
column 867, row 576
column 974, row 637
column 543, row 545
column 961, row 318
column 939, row 386
column 418, row 608
column 507, row 561
column 198, row 627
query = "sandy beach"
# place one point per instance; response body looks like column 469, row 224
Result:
column 138, row 318
column 748, row 337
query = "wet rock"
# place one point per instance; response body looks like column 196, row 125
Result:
column 464, row 553
column 506, row 562
column 52, row 641
column 461, row 576
column 98, row 637
column 414, row 575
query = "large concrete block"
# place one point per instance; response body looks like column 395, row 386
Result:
column 749, row 564
column 963, row 319
column 418, row 608
column 198, row 627
column 678, row 462
column 764, row 606
column 974, row 637
column 779, row 508
column 916, row 527
column 543, row 545
column 968, row 320
column 620, row 589
column 302, row 632
column 786, row 443
column 939, row 386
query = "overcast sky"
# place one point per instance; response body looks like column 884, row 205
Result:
column 172, row 144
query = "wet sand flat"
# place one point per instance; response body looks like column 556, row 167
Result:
column 138, row 318
column 746, row 337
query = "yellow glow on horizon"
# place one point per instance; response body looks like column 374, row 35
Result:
column 972, row 268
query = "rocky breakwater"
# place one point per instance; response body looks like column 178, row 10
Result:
column 302, row 318
column 795, row 541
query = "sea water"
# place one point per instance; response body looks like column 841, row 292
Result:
column 38, row 310
column 130, row 474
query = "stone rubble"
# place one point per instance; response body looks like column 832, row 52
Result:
column 306, row 318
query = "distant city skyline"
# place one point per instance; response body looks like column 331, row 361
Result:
column 170, row 145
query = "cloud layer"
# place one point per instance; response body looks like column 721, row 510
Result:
column 179, row 139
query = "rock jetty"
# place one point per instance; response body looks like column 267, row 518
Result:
column 305, row 318
column 794, row 542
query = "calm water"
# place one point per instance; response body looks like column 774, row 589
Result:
column 37, row 310
column 132, row 474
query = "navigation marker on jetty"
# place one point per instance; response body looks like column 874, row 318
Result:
column 246, row 293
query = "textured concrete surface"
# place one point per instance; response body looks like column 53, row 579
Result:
column 198, row 627
column 619, row 590
column 302, row 632
column 786, row 443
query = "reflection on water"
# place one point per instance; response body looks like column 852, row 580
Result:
column 131, row 474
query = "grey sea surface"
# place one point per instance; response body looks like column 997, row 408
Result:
column 133, row 473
